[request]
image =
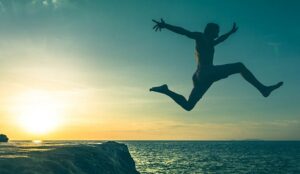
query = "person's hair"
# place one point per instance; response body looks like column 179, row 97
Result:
column 211, row 27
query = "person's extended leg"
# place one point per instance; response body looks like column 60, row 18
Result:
column 229, row 69
column 189, row 104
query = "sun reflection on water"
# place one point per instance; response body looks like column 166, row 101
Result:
column 37, row 141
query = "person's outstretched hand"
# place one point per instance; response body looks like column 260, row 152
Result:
column 159, row 25
column 234, row 28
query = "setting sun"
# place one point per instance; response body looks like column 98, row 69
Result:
column 38, row 112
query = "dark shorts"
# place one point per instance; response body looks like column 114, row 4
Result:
column 206, row 75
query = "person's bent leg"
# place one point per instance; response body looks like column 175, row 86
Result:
column 189, row 104
column 248, row 76
column 264, row 90
column 230, row 69
column 179, row 99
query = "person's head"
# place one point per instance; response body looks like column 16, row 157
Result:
column 212, row 30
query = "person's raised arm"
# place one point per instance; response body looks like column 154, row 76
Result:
column 225, row 36
column 179, row 30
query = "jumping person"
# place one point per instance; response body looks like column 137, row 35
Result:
column 207, row 73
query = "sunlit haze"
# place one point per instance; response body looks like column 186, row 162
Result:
column 38, row 112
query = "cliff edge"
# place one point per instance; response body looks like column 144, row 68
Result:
column 105, row 158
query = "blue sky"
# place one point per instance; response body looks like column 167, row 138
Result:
column 105, row 56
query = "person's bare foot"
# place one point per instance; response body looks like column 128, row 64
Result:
column 160, row 89
column 270, row 89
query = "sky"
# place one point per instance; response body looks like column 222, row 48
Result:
column 82, row 69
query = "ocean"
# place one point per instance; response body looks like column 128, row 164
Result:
column 222, row 157
column 179, row 157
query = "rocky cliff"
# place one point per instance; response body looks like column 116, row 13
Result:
column 106, row 158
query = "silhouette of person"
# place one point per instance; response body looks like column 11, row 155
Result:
column 207, row 73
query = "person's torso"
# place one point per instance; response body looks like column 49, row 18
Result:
column 204, row 51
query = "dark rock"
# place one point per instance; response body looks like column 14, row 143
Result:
column 106, row 158
column 3, row 138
